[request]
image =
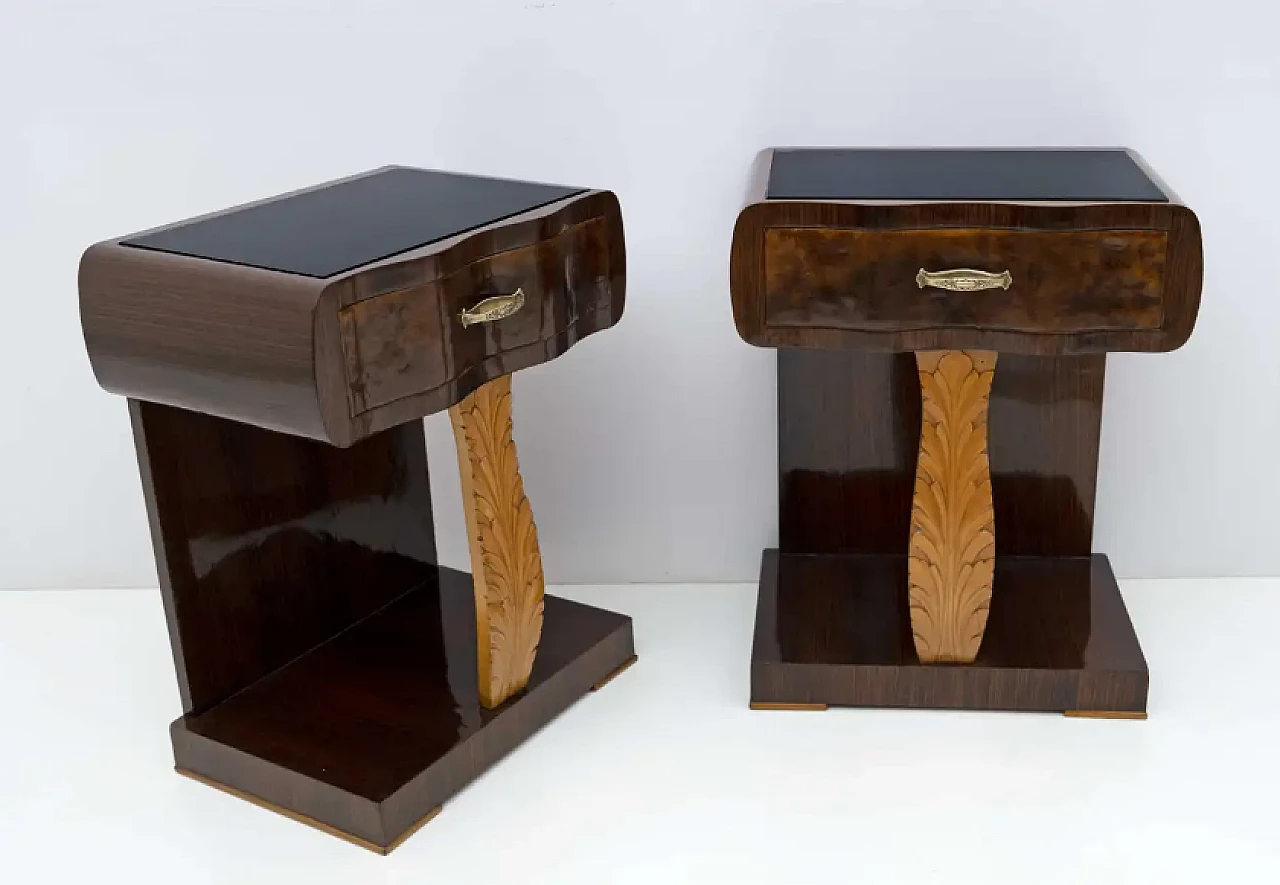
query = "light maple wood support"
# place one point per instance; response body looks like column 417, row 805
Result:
column 952, row 547
column 506, row 564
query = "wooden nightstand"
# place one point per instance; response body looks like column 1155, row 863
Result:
column 277, row 358
column 942, row 319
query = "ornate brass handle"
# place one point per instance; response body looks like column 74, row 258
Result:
column 499, row 307
column 963, row 280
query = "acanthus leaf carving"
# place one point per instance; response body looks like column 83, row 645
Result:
column 505, row 560
column 952, row 545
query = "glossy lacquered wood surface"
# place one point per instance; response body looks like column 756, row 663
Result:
column 276, row 369
column 849, row 434
column 835, row 630
column 326, row 665
column 866, row 280
column 840, row 260
column 341, row 225
column 805, row 274
column 266, row 348
column 371, row 731
column 268, row 544
column 412, row 341
column 570, row 260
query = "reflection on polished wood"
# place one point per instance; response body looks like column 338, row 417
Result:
column 340, row 358
column 1067, row 282
column 279, row 358
column 900, row 448
column 1090, row 278
column 373, row 729
column 952, row 548
column 506, row 564
column 849, row 438
column 327, row 665
column 835, row 629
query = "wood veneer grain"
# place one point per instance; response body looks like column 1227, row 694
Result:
column 268, row 544
column 839, row 318
column 834, row 629
column 266, row 348
column 1068, row 282
column 849, row 433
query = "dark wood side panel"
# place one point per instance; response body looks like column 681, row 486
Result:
column 1063, row 282
column 217, row 338
column 849, row 431
column 1180, row 298
column 412, row 341
column 1044, row 423
column 268, row 544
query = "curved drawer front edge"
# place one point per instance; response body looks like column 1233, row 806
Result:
column 264, row 347
column 1059, row 282
column 399, row 348
column 1149, row 303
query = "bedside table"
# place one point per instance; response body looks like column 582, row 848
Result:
column 942, row 319
column 278, row 358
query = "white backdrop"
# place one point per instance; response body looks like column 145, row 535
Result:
column 649, row 449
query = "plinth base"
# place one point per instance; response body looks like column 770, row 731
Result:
column 366, row 735
column 834, row 630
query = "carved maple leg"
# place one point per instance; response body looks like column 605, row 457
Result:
column 505, row 563
column 952, row 550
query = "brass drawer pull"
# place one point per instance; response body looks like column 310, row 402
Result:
column 964, row 280
column 499, row 307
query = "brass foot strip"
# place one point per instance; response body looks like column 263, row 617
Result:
column 765, row 705
column 1105, row 714
column 311, row 821
column 605, row 681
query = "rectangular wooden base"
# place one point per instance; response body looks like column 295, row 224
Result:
column 370, row 732
column 834, row 629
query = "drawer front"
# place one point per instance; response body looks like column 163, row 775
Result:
column 413, row 341
column 1061, row 282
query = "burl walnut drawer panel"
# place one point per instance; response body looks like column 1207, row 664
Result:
column 413, row 341
column 1082, row 278
column 1062, row 281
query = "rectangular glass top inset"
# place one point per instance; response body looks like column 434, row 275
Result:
column 1107, row 175
column 335, row 228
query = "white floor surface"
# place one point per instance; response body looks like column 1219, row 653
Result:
column 666, row 777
